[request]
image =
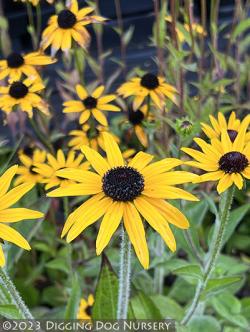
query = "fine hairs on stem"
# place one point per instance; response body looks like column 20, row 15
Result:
column 124, row 276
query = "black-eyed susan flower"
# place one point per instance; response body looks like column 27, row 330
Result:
column 17, row 65
column 54, row 163
column 223, row 160
column 127, row 191
column 67, row 25
column 91, row 104
column 148, row 85
column 25, row 95
column 85, row 308
column 29, row 158
column 87, row 135
column 11, row 215
column 232, row 126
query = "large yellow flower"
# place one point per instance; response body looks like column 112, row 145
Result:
column 127, row 191
column 89, row 104
column 54, row 163
column 11, row 215
column 232, row 126
column 89, row 136
column 148, row 85
column 29, row 158
column 24, row 94
column 17, row 64
column 67, row 25
column 85, row 308
column 223, row 160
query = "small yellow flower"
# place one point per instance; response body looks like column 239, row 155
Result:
column 11, row 215
column 91, row 104
column 17, row 65
column 24, row 94
column 55, row 163
column 67, row 25
column 89, row 136
column 232, row 126
column 149, row 85
column 29, row 159
column 224, row 160
column 34, row 2
column 127, row 191
column 85, row 308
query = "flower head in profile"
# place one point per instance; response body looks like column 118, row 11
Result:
column 25, row 95
column 91, row 104
column 88, row 135
column 17, row 64
column 232, row 126
column 127, row 191
column 149, row 85
column 29, row 158
column 85, row 308
column 69, row 24
column 54, row 163
column 11, row 215
column 223, row 160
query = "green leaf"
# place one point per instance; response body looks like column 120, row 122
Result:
column 192, row 271
column 168, row 307
column 58, row 264
column 219, row 284
column 204, row 323
column 105, row 306
column 128, row 35
column 9, row 311
column 240, row 28
column 74, row 299
column 143, row 307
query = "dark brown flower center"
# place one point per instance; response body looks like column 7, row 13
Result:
column 135, row 117
column 90, row 102
column 149, row 81
column 88, row 310
column 123, row 183
column 18, row 90
column 233, row 162
column 232, row 134
column 15, row 60
column 66, row 19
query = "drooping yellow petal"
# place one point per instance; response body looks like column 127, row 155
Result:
column 224, row 183
column 238, row 180
column 17, row 214
column 11, row 235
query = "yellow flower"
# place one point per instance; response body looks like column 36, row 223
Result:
column 35, row 2
column 127, row 191
column 223, row 160
column 29, row 159
column 54, row 163
column 89, row 136
column 11, row 215
column 17, row 64
column 67, row 25
column 85, row 308
column 148, row 85
column 91, row 104
column 23, row 94
column 220, row 124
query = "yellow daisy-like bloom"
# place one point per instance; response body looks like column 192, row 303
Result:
column 148, row 85
column 24, row 94
column 232, row 126
column 34, row 2
column 91, row 104
column 127, row 191
column 29, row 159
column 17, row 64
column 85, row 308
column 48, row 170
column 67, row 25
column 223, row 160
column 89, row 136
column 11, row 215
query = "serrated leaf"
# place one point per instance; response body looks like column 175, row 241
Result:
column 74, row 299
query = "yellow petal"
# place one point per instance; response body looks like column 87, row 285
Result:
column 140, row 160
column 11, row 235
column 100, row 117
column 17, row 214
column 96, row 160
column 237, row 179
column 170, row 178
column 14, row 195
column 81, row 91
column 161, row 166
column 224, row 183
column 113, row 152
column 169, row 192
column 6, row 178
column 2, row 258
column 98, row 92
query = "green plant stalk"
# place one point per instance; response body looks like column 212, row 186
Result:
column 38, row 22
column 41, row 136
column 124, row 276
column 159, row 271
column 122, row 44
column 32, row 25
column 10, row 288
column 214, row 252
column 68, row 245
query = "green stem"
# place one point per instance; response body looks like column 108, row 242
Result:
column 159, row 271
column 41, row 136
column 15, row 296
column 32, row 25
column 225, row 206
column 124, row 276
column 38, row 21
column 69, row 248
